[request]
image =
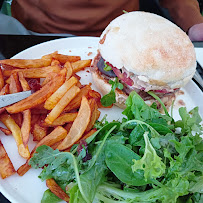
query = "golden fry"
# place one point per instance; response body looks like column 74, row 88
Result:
column 75, row 103
column 62, row 119
column 63, row 58
column 14, row 84
column 8, row 121
column 5, row 131
column 69, row 68
column 26, row 63
column 26, row 126
column 5, row 90
column 34, row 72
column 64, row 101
column 1, row 79
column 6, row 166
column 56, row 189
column 23, row 82
column 80, row 65
column 59, row 93
column 79, row 125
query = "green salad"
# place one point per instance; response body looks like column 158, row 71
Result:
column 148, row 157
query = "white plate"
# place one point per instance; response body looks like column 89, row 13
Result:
column 29, row 187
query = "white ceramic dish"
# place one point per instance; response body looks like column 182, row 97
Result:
column 29, row 187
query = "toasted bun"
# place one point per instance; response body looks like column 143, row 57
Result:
column 149, row 46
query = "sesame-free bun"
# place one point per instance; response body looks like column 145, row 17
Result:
column 150, row 46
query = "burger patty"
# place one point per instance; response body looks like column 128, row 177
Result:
column 165, row 96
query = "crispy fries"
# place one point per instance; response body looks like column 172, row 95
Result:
column 56, row 189
column 59, row 113
column 62, row 58
column 6, row 166
column 69, row 68
column 39, row 96
column 14, row 84
column 62, row 119
column 64, row 101
column 94, row 114
column 79, row 125
column 26, row 63
column 8, row 121
column 5, row 131
column 56, row 96
column 5, row 90
column 23, row 82
column 75, row 103
column 34, row 72
column 1, row 79
column 80, row 65
column 26, row 126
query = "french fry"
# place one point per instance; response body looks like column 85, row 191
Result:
column 2, row 110
column 5, row 90
column 55, row 136
column 64, row 101
column 39, row 131
column 26, row 126
column 23, row 82
column 63, row 58
column 75, row 103
column 94, row 114
column 26, row 63
column 60, row 92
column 24, row 168
column 6, row 166
column 34, row 72
column 1, row 79
column 80, row 65
column 56, row 189
column 40, row 96
column 62, row 119
column 5, row 131
column 18, row 118
column 79, row 125
column 69, row 68
column 49, row 78
column 8, row 121
column 26, row 123
column 14, row 84
column 55, row 63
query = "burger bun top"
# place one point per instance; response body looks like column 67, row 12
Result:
column 150, row 46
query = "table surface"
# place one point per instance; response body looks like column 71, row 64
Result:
column 10, row 45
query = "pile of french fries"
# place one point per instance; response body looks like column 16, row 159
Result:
column 58, row 114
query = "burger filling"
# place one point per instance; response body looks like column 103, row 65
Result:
column 132, row 82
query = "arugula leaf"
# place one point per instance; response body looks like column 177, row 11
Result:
column 150, row 163
column 110, row 98
column 48, row 197
column 107, row 67
column 137, row 109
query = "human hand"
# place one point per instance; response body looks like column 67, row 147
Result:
column 195, row 33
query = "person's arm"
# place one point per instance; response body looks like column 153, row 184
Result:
column 186, row 14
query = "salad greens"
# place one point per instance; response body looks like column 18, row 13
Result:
column 110, row 98
column 148, row 157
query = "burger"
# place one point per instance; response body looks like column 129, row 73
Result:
column 145, row 52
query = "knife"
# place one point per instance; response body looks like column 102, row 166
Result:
column 8, row 99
